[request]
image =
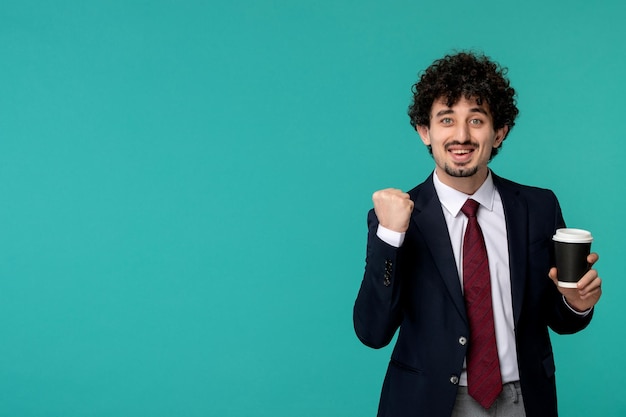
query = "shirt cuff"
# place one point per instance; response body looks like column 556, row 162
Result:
column 390, row 237
column 580, row 313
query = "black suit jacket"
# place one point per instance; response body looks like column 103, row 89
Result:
column 416, row 288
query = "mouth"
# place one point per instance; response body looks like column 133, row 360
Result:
column 461, row 154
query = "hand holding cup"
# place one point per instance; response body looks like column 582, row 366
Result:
column 573, row 275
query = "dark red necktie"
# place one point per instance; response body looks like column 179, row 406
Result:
column 484, row 382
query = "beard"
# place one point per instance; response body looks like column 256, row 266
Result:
column 460, row 172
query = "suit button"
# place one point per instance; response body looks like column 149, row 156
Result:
column 462, row 341
column 454, row 379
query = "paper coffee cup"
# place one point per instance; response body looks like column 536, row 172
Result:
column 571, row 248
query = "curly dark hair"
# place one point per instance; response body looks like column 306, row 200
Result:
column 467, row 74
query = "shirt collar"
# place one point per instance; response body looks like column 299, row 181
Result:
column 452, row 200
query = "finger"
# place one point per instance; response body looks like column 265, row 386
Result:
column 401, row 194
column 552, row 275
column 592, row 258
column 386, row 192
column 389, row 194
column 594, row 285
column 586, row 279
column 595, row 294
column 591, row 298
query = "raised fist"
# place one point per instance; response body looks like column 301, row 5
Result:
column 393, row 209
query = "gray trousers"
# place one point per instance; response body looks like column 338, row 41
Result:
column 508, row 404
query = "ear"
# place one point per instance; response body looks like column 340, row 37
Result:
column 500, row 135
column 424, row 134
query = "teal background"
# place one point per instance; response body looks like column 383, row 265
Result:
column 184, row 186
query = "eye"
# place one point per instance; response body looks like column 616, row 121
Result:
column 446, row 121
column 476, row 122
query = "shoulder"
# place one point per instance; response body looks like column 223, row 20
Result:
column 538, row 205
column 526, row 191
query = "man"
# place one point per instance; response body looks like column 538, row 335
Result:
column 477, row 344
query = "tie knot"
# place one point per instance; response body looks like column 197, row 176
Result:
column 470, row 208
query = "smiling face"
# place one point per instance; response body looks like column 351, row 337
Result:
column 461, row 138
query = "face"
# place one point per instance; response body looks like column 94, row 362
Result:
column 461, row 138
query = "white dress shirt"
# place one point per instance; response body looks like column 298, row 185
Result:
column 492, row 222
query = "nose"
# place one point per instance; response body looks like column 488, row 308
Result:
column 462, row 133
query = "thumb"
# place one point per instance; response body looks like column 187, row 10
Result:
column 553, row 276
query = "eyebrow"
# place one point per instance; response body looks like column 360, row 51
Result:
column 472, row 110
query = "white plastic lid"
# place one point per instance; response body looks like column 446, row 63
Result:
column 569, row 235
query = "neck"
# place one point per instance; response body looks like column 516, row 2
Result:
column 467, row 185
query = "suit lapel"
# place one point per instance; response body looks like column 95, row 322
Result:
column 516, row 217
column 428, row 217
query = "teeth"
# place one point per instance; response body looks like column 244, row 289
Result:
column 461, row 151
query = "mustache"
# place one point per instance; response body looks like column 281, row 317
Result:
column 459, row 143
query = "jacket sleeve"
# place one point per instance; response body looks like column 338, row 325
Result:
column 377, row 312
